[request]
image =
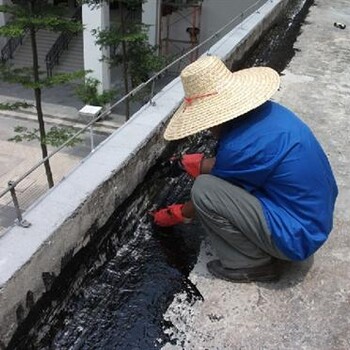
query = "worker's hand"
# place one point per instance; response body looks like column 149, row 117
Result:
column 191, row 163
column 168, row 216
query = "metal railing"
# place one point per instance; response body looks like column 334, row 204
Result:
column 10, row 47
column 62, row 42
column 11, row 188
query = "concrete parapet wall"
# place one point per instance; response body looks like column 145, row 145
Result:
column 83, row 202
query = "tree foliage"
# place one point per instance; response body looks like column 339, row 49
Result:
column 55, row 137
column 36, row 14
column 27, row 17
column 130, row 48
column 142, row 58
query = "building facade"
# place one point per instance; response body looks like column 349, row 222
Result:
column 174, row 26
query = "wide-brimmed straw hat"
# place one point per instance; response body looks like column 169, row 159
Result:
column 215, row 95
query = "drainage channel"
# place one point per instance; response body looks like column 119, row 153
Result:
column 114, row 292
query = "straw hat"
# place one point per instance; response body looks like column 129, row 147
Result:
column 214, row 95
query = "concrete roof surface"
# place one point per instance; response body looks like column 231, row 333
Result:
column 309, row 307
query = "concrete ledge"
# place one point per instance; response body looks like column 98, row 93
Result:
column 87, row 197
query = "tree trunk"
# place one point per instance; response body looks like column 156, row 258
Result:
column 37, row 93
column 125, row 62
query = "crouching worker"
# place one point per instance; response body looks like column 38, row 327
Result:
column 269, row 192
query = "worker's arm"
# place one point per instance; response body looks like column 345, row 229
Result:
column 174, row 214
column 195, row 164
column 188, row 211
column 207, row 165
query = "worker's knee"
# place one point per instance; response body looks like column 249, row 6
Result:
column 202, row 191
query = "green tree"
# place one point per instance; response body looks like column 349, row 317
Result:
column 26, row 18
column 130, row 45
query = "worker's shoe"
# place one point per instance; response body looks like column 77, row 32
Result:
column 264, row 273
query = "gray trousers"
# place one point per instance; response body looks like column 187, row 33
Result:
column 234, row 220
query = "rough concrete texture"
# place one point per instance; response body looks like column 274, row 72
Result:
column 310, row 307
column 64, row 220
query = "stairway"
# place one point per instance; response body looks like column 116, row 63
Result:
column 23, row 54
column 72, row 59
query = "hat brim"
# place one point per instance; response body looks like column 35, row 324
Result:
column 242, row 92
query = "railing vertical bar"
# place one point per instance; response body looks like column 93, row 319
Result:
column 92, row 138
column 15, row 202
column 21, row 222
column 151, row 101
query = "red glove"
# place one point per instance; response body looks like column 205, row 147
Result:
column 192, row 163
column 169, row 216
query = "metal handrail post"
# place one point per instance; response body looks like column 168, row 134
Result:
column 21, row 222
column 92, row 138
column 151, row 101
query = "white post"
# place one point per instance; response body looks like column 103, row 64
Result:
column 151, row 17
column 96, row 18
column 2, row 22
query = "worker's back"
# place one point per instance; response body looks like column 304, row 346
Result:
column 275, row 156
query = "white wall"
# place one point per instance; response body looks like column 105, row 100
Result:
column 2, row 22
column 216, row 13
column 150, row 17
column 96, row 18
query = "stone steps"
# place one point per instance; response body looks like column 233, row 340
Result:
column 23, row 54
column 71, row 60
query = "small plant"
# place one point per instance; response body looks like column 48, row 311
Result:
column 7, row 106
column 88, row 93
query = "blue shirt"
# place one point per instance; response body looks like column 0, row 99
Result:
column 275, row 156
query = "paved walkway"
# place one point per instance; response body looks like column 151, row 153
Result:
column 16, row 159
column 60, row 114
column 310, row 307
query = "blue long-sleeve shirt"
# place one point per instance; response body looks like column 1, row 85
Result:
column 273, row 155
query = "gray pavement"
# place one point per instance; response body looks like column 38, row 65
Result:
column 310, row 307
column 61, row 108
column 17, row 158
column 59, row 114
